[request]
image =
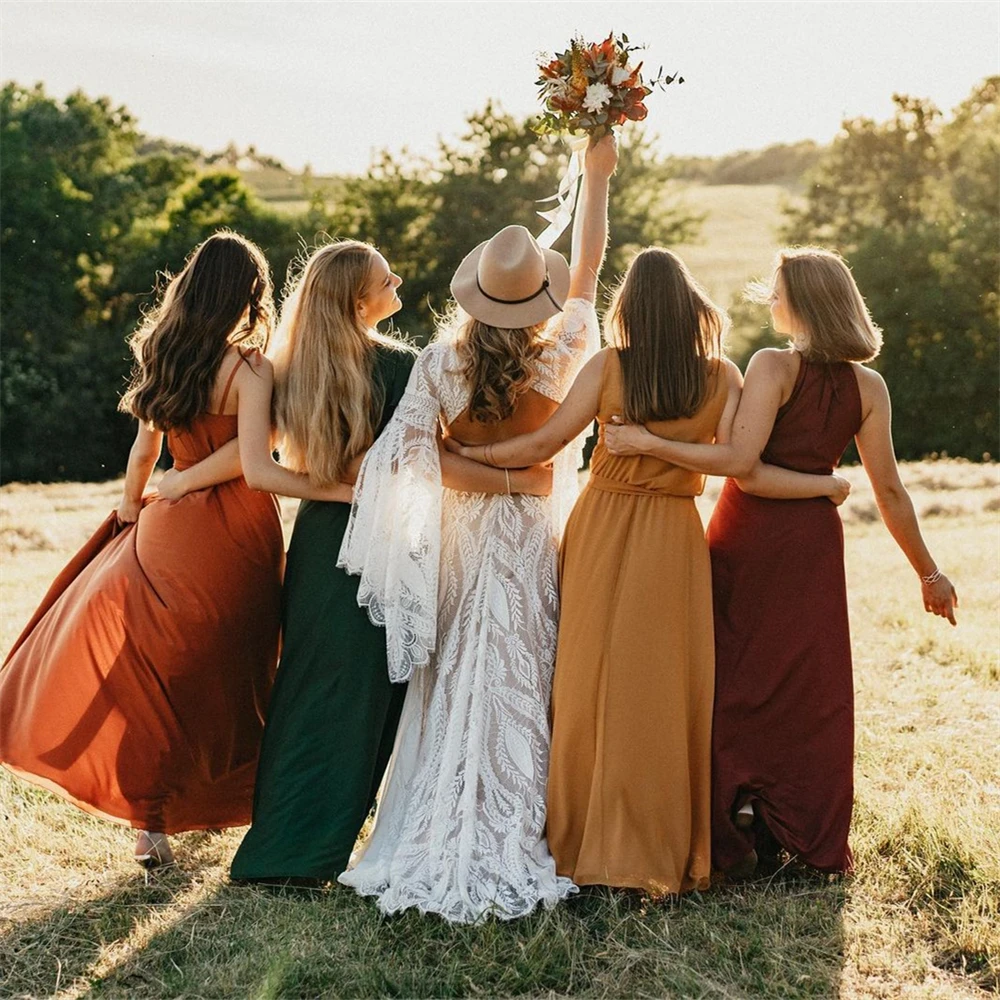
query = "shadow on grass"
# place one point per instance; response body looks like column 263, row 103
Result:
column 775, row 938
column 45, row 954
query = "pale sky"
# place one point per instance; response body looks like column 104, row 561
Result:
column 328, row 83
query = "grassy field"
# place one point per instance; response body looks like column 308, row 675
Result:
column 738, row 237
column 920, row 918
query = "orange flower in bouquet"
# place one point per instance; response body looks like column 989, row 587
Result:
column 592, row 87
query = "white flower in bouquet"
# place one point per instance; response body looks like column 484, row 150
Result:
column 620, row 74
column 560, row 89
column 598, row 94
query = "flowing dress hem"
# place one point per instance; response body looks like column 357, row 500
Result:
column 391, row 901
column 134, row 823
column 664, row 887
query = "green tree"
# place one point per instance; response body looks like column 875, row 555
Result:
column 914, row 205
column 91, row 213
column 72, row 184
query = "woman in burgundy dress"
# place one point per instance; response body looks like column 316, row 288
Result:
column 783, row 725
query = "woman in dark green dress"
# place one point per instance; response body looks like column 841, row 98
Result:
column 333, row 714
column 332, row 718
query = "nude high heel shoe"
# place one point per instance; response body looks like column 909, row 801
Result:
column 152, row 850
column 744, row 817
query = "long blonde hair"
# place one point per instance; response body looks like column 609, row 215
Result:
column 325, row 402
column 497, row 363
column 668, row 334
column 824, row 298
column 181, row 342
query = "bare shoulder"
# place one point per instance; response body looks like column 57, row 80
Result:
column 730, row 371
column 868, row 378
column 594, row 368
column 774, row 360
column 871, row 387
column 775, row 364
column 254, row 371
column 259, row 364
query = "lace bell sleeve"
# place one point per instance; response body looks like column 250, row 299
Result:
column 393, row 536
column 575, row 334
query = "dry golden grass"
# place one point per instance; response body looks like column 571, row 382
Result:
column 919, row 919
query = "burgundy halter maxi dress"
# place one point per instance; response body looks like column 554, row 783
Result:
column 783, row 724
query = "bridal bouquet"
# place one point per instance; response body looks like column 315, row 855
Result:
column 591, row 87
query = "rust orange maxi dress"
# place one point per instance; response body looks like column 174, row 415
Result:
column 138, row 689
column 628, row 792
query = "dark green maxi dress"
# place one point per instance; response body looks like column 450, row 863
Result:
column 333, row 712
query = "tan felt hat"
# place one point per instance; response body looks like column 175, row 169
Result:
column 511, row 282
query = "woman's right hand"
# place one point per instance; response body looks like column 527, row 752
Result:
column 625, row 439
column 536, row 480
column 128, row 511
column 601, row 159
column 171, row 485
column 840, row 490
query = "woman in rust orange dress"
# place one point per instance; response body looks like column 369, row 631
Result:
column 628, row 790
column 138, row 689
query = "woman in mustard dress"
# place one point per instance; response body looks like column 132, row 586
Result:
column 629, row 790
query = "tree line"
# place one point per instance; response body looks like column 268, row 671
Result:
column 91, row 210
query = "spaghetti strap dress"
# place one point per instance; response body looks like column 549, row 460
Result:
column 628, row 791
column 783, row 730
column 138, row 689
column 334, row 711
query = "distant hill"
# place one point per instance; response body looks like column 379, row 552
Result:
column 781, row 163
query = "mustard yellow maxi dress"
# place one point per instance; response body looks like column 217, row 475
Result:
column 629, row 785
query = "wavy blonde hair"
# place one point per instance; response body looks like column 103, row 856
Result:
column 181, row 342
column 497, row 363
column 325, row 402
column 824, row 298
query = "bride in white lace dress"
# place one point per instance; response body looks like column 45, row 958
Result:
column 465, row 583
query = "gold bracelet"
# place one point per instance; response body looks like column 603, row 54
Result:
column 488, row 454
column 932, row 578
column 506, row 473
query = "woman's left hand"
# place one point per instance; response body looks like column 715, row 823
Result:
column 466, row 451
column 940, row 598
column 171, row 485
column 625, row 439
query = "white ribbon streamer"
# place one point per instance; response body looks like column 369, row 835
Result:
column 561, row 216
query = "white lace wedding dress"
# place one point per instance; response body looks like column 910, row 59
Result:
column 465, row 585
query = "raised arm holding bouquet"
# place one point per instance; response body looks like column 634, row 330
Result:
column 587, row 91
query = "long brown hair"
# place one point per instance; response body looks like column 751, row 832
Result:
column 823, row 297
column 497, row 363
column 668, row 333
column 181, row 342
column 326, row 405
